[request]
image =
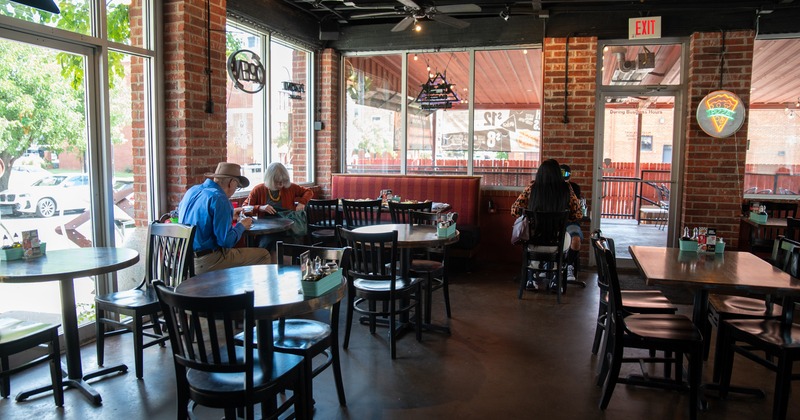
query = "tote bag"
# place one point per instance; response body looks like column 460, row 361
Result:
column 300, row 225
column 519, row 232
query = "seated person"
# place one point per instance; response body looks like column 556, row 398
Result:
column 208, row 207
column 277, row 193
column 574, row 229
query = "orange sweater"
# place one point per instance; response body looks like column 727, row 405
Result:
column 294, row 193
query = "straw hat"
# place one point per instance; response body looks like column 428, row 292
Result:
column 229, row 170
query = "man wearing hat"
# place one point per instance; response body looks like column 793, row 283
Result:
column 208, row 207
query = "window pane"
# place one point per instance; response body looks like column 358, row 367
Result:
column 773, row 156
column 124, row 22
column 290, row 128
column 245, row 113
column 641, row 65
column 507, row 116
column 372, row 114
column 75, row 15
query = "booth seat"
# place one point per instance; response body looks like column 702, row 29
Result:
column 462, row 193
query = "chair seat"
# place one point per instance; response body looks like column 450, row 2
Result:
column 130, row 299
column 300, row 334
column 767, row 331
column 324, row 233
column 663, row 327
column 741, row 307
column 644, row 301
column 401, row 284
column 12, row 329
column 425, row 266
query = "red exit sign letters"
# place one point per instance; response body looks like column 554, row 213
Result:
column 644, row 27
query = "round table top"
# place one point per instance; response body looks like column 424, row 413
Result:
column 411, row 236
column 276, row 289
column 67, row 264
column 271, row 224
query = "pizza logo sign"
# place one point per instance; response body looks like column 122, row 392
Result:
column 720, row 114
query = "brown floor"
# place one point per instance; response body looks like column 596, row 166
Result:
column 506, row 358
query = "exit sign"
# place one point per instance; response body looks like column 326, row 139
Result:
column 644, row 28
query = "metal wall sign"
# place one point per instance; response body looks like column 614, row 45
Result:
column 720, row 114
column 246, row 71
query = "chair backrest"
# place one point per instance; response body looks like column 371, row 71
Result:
column 547, row 228
column 202, row 330
column 359, row 213
column 608, row 243
column 401, row 212
column 169, row 253
column 792, row 229
column 608, row 266
column 323, row 214
column 373, row 256
column 428, row 218
column 781, row 210
column 289, row 254
column 784, row 255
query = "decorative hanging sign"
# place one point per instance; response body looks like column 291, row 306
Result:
column 294, row 89
column 720, row 114
column 246, row 71
column 437, row 93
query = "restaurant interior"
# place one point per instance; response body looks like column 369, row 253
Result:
column 123, row 106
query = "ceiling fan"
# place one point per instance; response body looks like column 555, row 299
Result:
column 415, row 12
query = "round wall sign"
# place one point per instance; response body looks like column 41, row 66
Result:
column 246, row 71
column 720, row 114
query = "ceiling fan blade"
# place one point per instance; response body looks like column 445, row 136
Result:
column 375, row 14
column 403, row 24
column 410, row 4
column 449, row 20
column 458, row 8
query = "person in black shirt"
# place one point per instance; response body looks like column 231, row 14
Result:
column 573, row 228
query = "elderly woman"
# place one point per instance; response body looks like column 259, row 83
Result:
column 277, row 194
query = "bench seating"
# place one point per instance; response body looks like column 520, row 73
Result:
column 463, row 193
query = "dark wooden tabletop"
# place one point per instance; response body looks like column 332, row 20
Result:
column 412, row 236
column 728, row 271
column 771, row 222
column 271, row 224
column 276, row 289
column 67, row 264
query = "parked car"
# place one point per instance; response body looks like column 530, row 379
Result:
column 25, row 175
column 47, row 196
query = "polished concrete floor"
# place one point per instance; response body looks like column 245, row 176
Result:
column 506, row 358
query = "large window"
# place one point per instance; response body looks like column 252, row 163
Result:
column 773, row 155
column 283, row 134
column 455, row 122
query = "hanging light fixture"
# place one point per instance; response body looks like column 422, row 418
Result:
column 417, row 25
column 792, row 112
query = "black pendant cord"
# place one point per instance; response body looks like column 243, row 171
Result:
column 722, row 60
column 210, row 100
column 566, row 80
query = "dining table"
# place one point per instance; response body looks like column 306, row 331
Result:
column 410, row 237
column 265, row 226
column 277, row 294
column 750, row 230
column 64, row 266
column 729, row 272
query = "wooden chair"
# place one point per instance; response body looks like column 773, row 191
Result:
column 211, row 370
column 432, row 266
column 545, row 247
column 323, row 217
column 792, row 229
column 401, row 212
column 373, row 278
column 762, row 240
column 359, row 213
column 725, row 307
column 672, row 334
column 17, row 336
column 170, row 259
column 776, row 338
column 633, row 301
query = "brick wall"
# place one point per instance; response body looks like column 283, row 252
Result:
column 195, row 139
column 714, row 168
column 328, row 142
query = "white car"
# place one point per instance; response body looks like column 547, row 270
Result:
column 47, row 196
column 25, row 175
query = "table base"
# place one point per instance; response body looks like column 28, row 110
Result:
column 80, row 384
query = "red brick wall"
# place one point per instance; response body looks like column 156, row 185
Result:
column 714, row 168
column 328, row 141
column 195, row 139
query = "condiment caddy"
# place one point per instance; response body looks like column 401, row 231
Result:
column 703, row 240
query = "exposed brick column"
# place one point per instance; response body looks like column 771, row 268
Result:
column 195, row 140
column 714, row 168
column 328, row 143
column 138, row 118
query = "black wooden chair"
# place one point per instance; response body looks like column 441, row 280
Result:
column 323, row 217
column 544, row 250
column 762, row 240
column 359, row 213
column 776, row 339
column 170, row 259
column 633, row 301
column 401, row 212
column 792, row 229
column 373, row 278
column 432, row 265
column 672, row 334
column 211, row 370
column 17, row 336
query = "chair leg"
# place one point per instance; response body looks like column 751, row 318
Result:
column 157, row 328
column 446, row 290
column 783, row 383
column 348, row 321
column 5, row 381
column 418, row 317
column 138, row 346
column 100, row 332
column 337, row 368
column 707, row 341
column 392, row 321
column 695, row 374
column 55, row 370
column 726, row 342
column 599, row 329
column 428, row 296
column 611, row 379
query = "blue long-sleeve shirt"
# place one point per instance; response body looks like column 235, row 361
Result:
column 207, row 207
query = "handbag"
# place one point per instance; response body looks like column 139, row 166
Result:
column 300, row 225
column 519, row 232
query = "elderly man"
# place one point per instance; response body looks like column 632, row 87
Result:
column 208, row 207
